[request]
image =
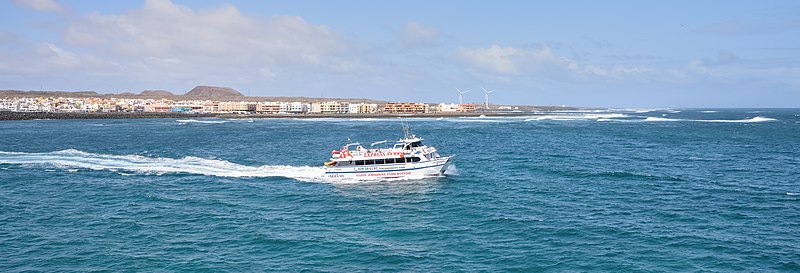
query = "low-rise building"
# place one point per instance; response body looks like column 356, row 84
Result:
column 330, row 107
column 405, row 108
column 466, row 107
column 447, row 107
column 293, row 107
column 362, row 108
column 268, row 107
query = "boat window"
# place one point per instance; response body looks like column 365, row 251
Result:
column 416, row 144
column 369, row 162
column 359, row 162
column 390, row 161
column 378, row 161
column 415, row 159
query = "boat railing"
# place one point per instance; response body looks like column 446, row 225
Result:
column 377, row 143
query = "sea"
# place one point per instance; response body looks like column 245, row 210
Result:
column 621, row 190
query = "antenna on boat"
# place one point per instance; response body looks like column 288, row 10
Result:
column 405, row 128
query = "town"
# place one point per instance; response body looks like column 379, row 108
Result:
column 106, row 105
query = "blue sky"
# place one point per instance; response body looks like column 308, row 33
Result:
column 580, row 53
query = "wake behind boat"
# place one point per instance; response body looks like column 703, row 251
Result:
column 407, row 158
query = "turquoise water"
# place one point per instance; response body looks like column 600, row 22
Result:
column 626, row 190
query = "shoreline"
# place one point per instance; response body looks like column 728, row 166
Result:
column 137, row 115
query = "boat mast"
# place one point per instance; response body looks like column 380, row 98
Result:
column 405, row 129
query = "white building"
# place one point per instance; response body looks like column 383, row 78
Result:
column 7, row 105
column 293, row 108
column 362, row 108
column 330, row 107
column 444, row 107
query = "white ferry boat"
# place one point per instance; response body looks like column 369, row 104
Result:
column 407, row 158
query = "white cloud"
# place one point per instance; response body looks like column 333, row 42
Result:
column 40, row 5
column 221, row 36
column 31, row 58
column 418, row 35
column 513, row 61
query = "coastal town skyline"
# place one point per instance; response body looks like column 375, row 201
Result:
column 610, row 54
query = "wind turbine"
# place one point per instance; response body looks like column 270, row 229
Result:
column 460, row 95
column 487, row 96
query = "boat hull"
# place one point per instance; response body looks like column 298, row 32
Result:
column 400, row 171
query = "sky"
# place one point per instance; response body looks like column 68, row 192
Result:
column 575, row 53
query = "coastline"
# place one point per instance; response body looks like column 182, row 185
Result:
column 136, row 115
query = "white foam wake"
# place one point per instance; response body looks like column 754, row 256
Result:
column 71, row 159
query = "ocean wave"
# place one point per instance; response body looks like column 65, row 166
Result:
column 201, row 121
column 750, row 120
column 660, row 119
column 71, row 159
column 578, row 117
column 708, row 111
column 755, row 119
column 479, row 120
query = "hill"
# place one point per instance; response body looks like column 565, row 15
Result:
column 161, row 94
column 156, row 94
column 212, row 92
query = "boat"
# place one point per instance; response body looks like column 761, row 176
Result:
column 407, row 158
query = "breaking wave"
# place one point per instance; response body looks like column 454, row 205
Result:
column 578, row 117
column 755, row 119
column 750, row 120
column 200, row 121
column 71, row 159
column 660, row 119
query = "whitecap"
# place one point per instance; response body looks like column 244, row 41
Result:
column 750, row 120
column 708, row 111
column 792, row 193
column 479, row 120
column 184, row 121
column 755, row 119
column 660, row 119
column 577, row 117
